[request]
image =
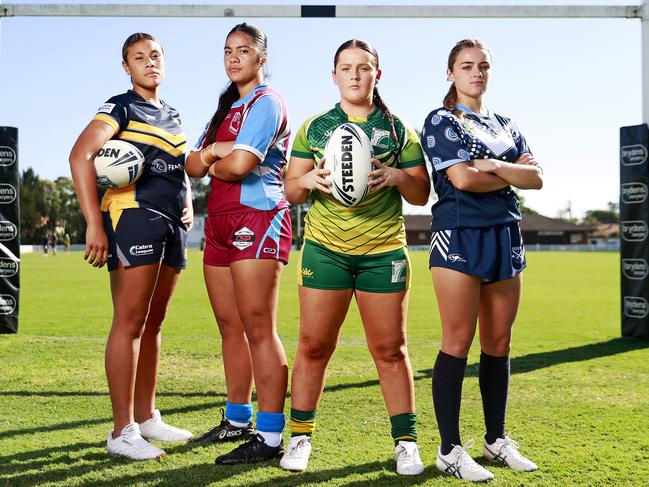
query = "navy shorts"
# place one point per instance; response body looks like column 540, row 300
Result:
column 491, row 253
column 141, row 236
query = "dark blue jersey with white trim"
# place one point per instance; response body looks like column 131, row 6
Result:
column 448, row 140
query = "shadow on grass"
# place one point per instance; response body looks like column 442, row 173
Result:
column 67, row 467
column 541, row 360
column 106, row 420
column 207, row 394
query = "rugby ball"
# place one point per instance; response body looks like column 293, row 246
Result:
column 347, row 157
column 118, row 164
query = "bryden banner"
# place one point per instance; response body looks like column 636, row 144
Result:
column 9, row 230
column 634, row 229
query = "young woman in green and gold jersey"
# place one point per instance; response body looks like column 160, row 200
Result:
column 359, row 251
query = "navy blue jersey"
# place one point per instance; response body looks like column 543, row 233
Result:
column 448, row 140
column 157, row 132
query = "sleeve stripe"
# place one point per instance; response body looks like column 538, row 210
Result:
column 445, row 164
column 250, row 149
column 107, row 119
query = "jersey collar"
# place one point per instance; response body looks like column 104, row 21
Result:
column 467, row 110
column 374, row 113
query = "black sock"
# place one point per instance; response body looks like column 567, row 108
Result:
column 448, row 375
column 494, row 383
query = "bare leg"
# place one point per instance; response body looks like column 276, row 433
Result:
column 384, row 320
column 237, row 361
column 149, row 358
column 256, row 286
column 131, row 289
column 322, row 313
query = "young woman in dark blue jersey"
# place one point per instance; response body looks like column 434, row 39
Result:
column 153, row 214
column 476, row 253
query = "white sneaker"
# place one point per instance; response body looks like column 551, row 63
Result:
column 130, row 444
column 459, row 463
column 156, row 429
column 297, row 454
column 406, row 454
column 505, row 450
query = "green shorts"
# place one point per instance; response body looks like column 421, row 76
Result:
column 321, row 268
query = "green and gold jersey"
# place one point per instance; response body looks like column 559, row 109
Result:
column 375, row 224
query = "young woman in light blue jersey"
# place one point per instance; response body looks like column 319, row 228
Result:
column 476, row 254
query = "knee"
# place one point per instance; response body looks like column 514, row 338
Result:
column 229, row 326
column 389, row 352
column 497, row 346
column 313, row 349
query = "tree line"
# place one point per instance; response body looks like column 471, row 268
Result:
column 48, row 207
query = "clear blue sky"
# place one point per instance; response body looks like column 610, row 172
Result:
column 570, row 84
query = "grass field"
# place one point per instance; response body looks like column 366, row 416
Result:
column 579, row 400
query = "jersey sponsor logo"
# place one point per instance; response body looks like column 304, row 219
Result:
column 269, row 250
column 8, row 267
column 7, row 156
column 636, row 269
column 380, row 138
column 243, row 238
column 634, row 231
column 456, row 258
column 8, row 231
column 635, row 307
column 633, row 155
column 634, row 192
column 7, row 304
column 306, row 272
column 7, row 193
column 149, row 117
column 106, row 108
column 140, row 250
column 430, row 141
column 399, row 271
column 159, row 166
column 235, row 124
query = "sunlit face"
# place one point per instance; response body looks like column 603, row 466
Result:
column 471, row 72
column 356, row 75
column 145, row 64
column 243, row 63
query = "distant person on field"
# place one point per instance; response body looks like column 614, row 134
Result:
column 356, row 252
column 46, row 244
column 476, row 254
column 248, row 232
column 53, row 241
column 140, row 231
column 66, row 243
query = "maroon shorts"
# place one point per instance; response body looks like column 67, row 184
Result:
column 250, row 235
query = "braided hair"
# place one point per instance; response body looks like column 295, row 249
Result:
column 231, row 92
column 376, row 97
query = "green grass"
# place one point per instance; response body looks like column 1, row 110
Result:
column 578, row 402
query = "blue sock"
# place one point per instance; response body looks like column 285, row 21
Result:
column 272, row 422
column 241, row 413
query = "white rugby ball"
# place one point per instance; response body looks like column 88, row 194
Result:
column 347, row 157
column 118, row 164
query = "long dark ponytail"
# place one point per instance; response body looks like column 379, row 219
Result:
column 450, row 100
column 376, row 97
column 231, row 92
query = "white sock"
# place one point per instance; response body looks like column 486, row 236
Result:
column 271, row 438
column 237, row 423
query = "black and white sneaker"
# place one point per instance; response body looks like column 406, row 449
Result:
column 252, row 451
column 225, row 431
column 505, row 450
column 460, row 464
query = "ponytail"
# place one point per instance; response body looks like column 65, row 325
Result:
column 450, row 100
column 378, row 101
column 227, row 98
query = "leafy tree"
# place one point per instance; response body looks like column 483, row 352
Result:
column 598, row 217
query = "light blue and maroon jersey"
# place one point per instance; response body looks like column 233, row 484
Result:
column 258, row 123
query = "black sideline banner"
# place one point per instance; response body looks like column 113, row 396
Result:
column 634, row 229
column 9, row 230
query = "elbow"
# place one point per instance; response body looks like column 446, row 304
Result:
column 419, row 199
column 463, row 184
column 295, row 198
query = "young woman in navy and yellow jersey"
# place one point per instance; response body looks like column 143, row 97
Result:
column 140, row 232
column 359, row 251
column 248, row 239
column 476, row 253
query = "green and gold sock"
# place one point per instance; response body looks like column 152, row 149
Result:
column 404, row 427
column 302, row 422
